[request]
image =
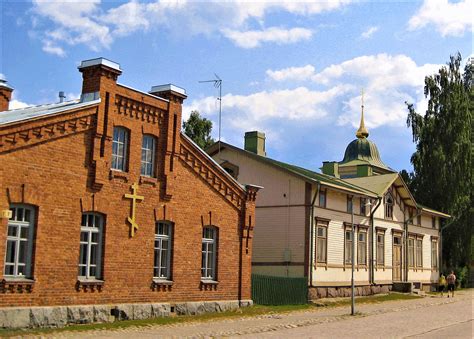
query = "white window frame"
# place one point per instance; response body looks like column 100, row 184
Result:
column 148, row 155
column 348, row 247
column 323, row 226
column 362, row 232
column 161, row 272
column 89, row 230
column 209, row 253
column 434, row 253
column 411, row 252
column 419, row 252
column 381, row 249
column 19, row 224
column 322, row 198
column 120, row 139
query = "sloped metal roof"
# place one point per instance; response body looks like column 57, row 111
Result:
column 34, row 112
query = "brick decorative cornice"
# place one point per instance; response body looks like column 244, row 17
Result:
column 139, row 110
column 203, row 167
column 33, row 132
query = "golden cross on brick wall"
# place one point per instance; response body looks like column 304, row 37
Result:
column 134, row 197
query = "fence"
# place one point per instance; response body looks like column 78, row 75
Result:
column 269, row 290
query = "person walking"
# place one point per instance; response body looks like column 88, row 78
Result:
column 441, row 284
column 451, row 283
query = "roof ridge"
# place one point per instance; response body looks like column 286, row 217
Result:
column 41, row 105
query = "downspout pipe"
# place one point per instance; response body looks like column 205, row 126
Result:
column 311, row 232
column 405, row 226
column 373, row 258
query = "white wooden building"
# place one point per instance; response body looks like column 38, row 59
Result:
column 303, row 219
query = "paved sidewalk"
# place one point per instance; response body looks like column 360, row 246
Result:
column 424, row 317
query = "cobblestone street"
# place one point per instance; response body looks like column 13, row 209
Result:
column 433, row 317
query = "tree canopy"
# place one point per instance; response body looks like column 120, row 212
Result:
column 442, row 162
column 199, row 130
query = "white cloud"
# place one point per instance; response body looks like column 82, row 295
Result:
column 388, row 80
column 51, row 48
column 86, row 22
column 16, row 104
column 252, row 39
column 449, row 18
column 369, row 32
column 292, row 73
column 259, row 109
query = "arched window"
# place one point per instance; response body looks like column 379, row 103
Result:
column 148, row 155
column 163, row 250
column 120, row 149
column 20, row 235
column 90, row 256
column 209, row 253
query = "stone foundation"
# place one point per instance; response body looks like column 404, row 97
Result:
column 345, row 291
column 60, row 316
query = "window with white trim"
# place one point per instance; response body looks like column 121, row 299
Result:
column 322, row 198
column 19, row 249
column 90, row 254
column 411, row 252
column 380, row 248
column 419, row 252
column 349, row 204
column 209, row 253
column 120, row 149
column 347, row 246
column 163, row 248
column 434, row 253
column 362, row 247
column 148, row 155
column 363, row 206
column 321, row 241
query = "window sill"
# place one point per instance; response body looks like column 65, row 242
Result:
column 162, row 282
column 148, row 180
column 16, row 284
column 89, row 284
column 117, row 174
column 209, row 282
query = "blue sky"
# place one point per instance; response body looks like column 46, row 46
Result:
column 291, row 69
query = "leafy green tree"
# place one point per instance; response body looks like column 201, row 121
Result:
column 199, row 130
column 442, row 162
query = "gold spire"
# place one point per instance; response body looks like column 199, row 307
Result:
column 362, row 131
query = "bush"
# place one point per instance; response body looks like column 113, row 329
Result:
column 462, row 276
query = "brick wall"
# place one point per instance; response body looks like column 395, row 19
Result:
column 65, row 173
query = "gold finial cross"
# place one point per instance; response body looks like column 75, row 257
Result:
column 134, row 197
column 362, row 131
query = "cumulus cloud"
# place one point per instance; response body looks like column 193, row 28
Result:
column 87, row 22
column 252, row 39
column 369, row 32
column 258, row 109
column 388, row 80
column 292, row 73
column 449, row 18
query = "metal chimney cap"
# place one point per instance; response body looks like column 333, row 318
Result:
column 3, row 82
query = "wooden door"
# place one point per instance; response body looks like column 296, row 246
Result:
column 397, row 259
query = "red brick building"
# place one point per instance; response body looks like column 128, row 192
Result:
column 104, row 201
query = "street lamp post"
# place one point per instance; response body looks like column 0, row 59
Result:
column 353, row 254
column 352, row 259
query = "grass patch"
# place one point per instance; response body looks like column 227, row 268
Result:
column 254, row 310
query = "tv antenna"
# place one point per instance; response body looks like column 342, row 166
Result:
column 217, row 84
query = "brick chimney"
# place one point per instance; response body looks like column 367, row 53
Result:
column 98, row 75
column 5, row 94
column 255, row 143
